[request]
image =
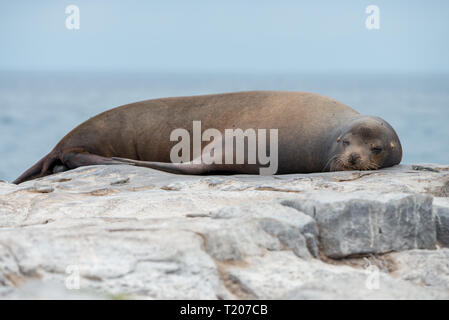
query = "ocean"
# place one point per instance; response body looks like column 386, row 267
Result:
column 38, row 108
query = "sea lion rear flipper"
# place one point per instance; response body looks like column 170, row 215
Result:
column 70, row 159
column 39, row 169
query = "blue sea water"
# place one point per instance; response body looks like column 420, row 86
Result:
column 38, row 108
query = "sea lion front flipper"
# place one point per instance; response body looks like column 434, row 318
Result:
column 180, row 168
column 74, row 159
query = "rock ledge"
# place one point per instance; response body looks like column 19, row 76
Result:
column 128, row 232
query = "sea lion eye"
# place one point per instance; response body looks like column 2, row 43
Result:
column 376, row 150
column 345, row 142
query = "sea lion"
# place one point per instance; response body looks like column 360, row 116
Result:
column 315, row 134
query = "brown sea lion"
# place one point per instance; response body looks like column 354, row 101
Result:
column 315, row 134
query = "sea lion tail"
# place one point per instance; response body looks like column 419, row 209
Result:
column 40, row 169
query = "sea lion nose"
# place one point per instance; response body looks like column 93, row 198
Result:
column 353, row 158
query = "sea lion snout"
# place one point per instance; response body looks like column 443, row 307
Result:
column 354, row 158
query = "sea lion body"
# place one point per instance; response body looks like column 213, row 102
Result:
column 309, row 126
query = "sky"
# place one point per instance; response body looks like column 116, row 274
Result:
column 231, row 35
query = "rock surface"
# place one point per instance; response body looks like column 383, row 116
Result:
column 129, row 232
column 441, row 211
column 361, row 223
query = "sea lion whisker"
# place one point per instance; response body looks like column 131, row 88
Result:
column 328, row 161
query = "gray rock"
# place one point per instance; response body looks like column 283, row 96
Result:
column 282, row 276
column 429, row 268
column 49, row 290
column 289, row 236
column 235, row 240
column 353, row 287
column 441, row 211
column 362, row 223
column 129, row 232
column 294, row 229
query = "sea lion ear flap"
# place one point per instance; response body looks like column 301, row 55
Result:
column 339, row 138
column 392, row 145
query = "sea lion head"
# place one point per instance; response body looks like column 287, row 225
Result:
column 366, row 143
